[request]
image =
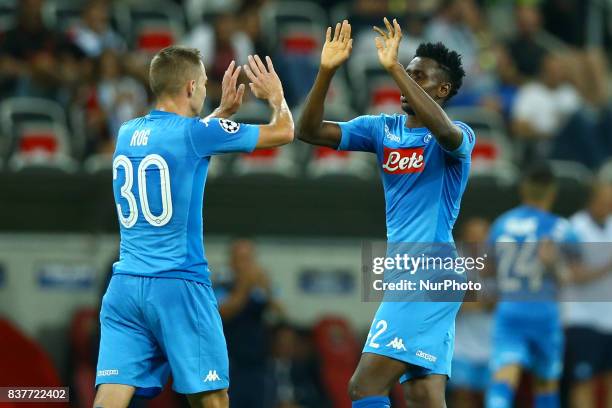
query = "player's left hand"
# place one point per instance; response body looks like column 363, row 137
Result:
column 231, row 96
column 387, row 43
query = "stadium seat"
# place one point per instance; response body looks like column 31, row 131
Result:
column 479, row 119
column 61, row 15
column 41, row 146
column 277, row 161
column 296, row 25
column 605, row 172
column 323, row 161
column 150, row 26
column 367, row 75
column 98, row 163
column 572, row 172
column 339, row 350
column 31, row 112
column 25, row 363
column 499, row 172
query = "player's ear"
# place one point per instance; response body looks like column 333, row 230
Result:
column 444, row 89
column 191, row 87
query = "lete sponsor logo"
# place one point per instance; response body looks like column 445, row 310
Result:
column 403, row 161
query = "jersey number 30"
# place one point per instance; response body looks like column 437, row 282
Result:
column 126, row 190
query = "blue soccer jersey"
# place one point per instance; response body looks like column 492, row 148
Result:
column 515, row 235
column 527, row 325
column 423, row 182
column 159, row 315
column 159, row 170
column 423, row 185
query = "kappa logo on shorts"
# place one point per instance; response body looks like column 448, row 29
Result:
column 229, row 125
column 107, row 373
column 212, row 376
column 397, row 344
column 426, row 356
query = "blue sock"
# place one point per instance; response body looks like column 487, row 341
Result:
column 550, row 400
column 499, row 395
column 372, row 402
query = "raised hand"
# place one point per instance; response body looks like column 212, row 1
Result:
column 265, row 83
column 231, row 96
column 336, row 49
column 387, row 43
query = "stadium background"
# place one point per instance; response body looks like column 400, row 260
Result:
column 72, row 71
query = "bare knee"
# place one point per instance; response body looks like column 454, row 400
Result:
column 356, row 389
column 426, row 392
column 209, row 399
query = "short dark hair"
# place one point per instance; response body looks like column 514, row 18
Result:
column 538, row 180
column 449, row 61
column 172, row 67
column 540, row 173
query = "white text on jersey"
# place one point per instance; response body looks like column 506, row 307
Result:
column 140, row 137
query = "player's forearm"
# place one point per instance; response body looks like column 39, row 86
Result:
column 429, row 112
column 280, row 129
column 311, row 118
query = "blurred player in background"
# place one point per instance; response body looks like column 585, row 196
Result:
column 587, row 318
column 527, row 331
column 159, row 314
column 425, row 161
column 473, row 328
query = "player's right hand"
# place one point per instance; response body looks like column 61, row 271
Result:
column 337, row 49
column 265, row 83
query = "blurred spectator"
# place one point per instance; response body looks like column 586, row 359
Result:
column 94, row 34
column 530, row 43
column 34, row 60
column 461, row 26
column 543, row 105
column 549, row 115
column 413, row 27
column 243, row 302
column 219, row 45
column 292, row 372
column 473, row 330
column 250, row 24
column 587, row 317
column 121, row 97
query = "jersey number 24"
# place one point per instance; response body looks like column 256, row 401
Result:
column 126, row 190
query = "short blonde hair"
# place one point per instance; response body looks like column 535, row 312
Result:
column 172, row 67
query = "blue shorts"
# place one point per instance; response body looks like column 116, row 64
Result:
column 536, row 346
column 421, row 334
column 470, row 375
column 154, row 327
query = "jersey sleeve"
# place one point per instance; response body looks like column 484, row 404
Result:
column 464, row 151
column 216, row 136
column 360, row 134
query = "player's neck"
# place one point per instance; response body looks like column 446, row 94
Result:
column 540, row 205
column 173, row 106
column 412, row 121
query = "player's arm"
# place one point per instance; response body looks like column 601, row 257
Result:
column 448, row 135
column 231, row 95
column 265, row 84
column 311, row 126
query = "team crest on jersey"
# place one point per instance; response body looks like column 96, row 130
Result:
column 427, row 138
column 229, row 125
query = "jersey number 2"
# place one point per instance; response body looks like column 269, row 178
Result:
column 126, row 190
